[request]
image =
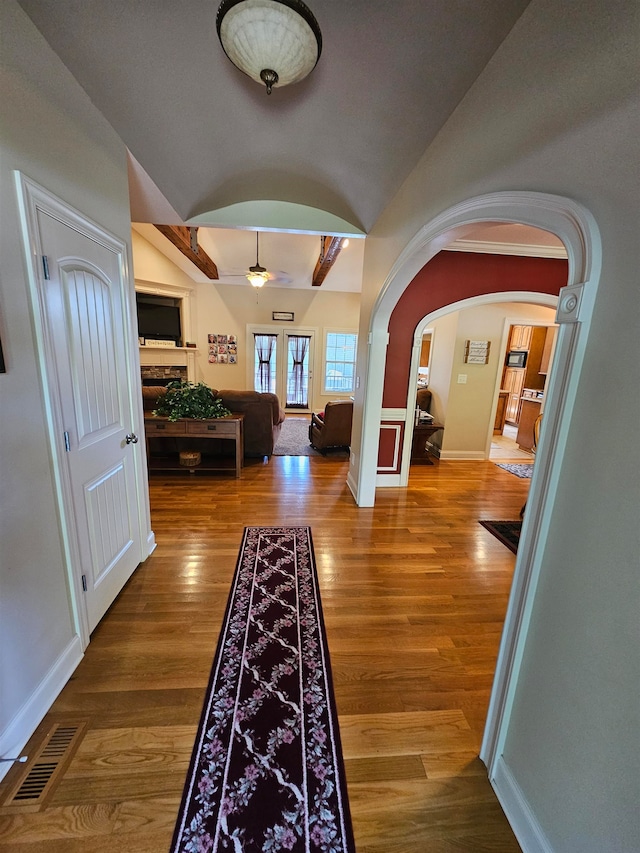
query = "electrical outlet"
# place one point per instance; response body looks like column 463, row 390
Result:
column 462, row 379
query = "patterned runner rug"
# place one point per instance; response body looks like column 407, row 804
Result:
column 266, row 772
column 508, row 532
column 520, row 469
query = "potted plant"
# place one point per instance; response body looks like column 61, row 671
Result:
column 189, row 400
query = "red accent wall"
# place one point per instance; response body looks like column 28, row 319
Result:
column 450, row 277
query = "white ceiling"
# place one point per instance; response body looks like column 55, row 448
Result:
column 324, row 156
column 339, row 143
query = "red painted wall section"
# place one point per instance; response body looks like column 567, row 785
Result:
column 448, row 278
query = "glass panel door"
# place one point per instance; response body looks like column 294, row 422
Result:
column 298, row 370
column 265, row 362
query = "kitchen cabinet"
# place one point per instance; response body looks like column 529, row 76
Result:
column 513, row 383
column 514, row 379
column 520, row 337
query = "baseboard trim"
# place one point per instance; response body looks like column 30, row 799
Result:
column 471, row 455
column 352, row 486
column 29, row 717
column 518, row 811
column 388, row 480
column 151, row 543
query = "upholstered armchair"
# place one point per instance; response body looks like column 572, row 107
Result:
column 333, row 427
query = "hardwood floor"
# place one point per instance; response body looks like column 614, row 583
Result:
column 414, row 593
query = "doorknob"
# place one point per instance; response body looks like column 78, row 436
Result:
column 132, row 438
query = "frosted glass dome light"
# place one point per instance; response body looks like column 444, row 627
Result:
column 275, row 42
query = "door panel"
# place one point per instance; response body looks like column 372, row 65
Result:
column 91, row 349
column 299, row 375
column 84, row 307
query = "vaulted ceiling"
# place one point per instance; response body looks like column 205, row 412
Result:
column 208, row 147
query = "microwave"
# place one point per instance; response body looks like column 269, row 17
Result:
column 516, row 358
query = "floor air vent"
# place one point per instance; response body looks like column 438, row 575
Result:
column 45, row 768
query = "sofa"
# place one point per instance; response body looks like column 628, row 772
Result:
column 263, row 416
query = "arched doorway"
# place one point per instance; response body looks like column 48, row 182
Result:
column 579, row 233
column 545, row 302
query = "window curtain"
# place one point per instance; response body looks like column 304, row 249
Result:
column 265, row 344
column 298, row 379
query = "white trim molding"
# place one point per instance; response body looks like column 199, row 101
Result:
column 577, row 229
column 518, row 811
column 31, row 714
column 396, row 428
column 469, row 455
column 523, row 250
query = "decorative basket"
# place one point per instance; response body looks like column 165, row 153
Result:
column 190, row 458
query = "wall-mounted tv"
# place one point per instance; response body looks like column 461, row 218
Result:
column 159, row 318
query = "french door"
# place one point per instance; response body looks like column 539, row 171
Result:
column 282, row 361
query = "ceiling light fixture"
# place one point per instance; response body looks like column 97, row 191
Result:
column 257, row 275
column 275, row 42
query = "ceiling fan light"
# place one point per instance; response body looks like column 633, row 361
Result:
column 256, row 278
column 275, row 42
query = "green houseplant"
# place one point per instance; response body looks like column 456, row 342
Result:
column 190, row 400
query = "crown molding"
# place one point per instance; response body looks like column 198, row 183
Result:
column 488, row 248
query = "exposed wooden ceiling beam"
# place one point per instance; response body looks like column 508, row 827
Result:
column 329, row 250
column 186, row 239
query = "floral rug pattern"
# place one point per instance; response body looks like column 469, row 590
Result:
column 266, row 773
column 520, row 469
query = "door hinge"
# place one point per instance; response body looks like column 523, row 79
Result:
column 67, row 445
column 84, row 583
column 45, row 267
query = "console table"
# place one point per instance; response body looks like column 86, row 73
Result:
column 229, row 428
column 421, row 435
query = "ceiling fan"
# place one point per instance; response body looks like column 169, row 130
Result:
column 257, row 275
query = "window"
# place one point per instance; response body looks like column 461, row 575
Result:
column 340, row 362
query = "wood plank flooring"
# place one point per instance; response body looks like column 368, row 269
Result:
column 414, row 594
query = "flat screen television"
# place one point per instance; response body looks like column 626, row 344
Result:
column 159, row 318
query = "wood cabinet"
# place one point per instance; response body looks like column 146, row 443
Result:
column 420, row 444
column 514, row 379
column 520, row 337
column 513, row 383
column 224, row 429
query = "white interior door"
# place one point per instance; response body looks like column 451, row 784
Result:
column 83, row 295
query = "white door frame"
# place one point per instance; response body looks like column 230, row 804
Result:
column 577, row 229
column 31, row 199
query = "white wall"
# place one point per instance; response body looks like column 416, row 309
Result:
column 228, row 309
column 51, row 132
column 466, row 410
column 556, row 111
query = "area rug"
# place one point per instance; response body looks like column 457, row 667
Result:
column 508, row 532
column 266, row 772
column 523, row 469
column 294, row 441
